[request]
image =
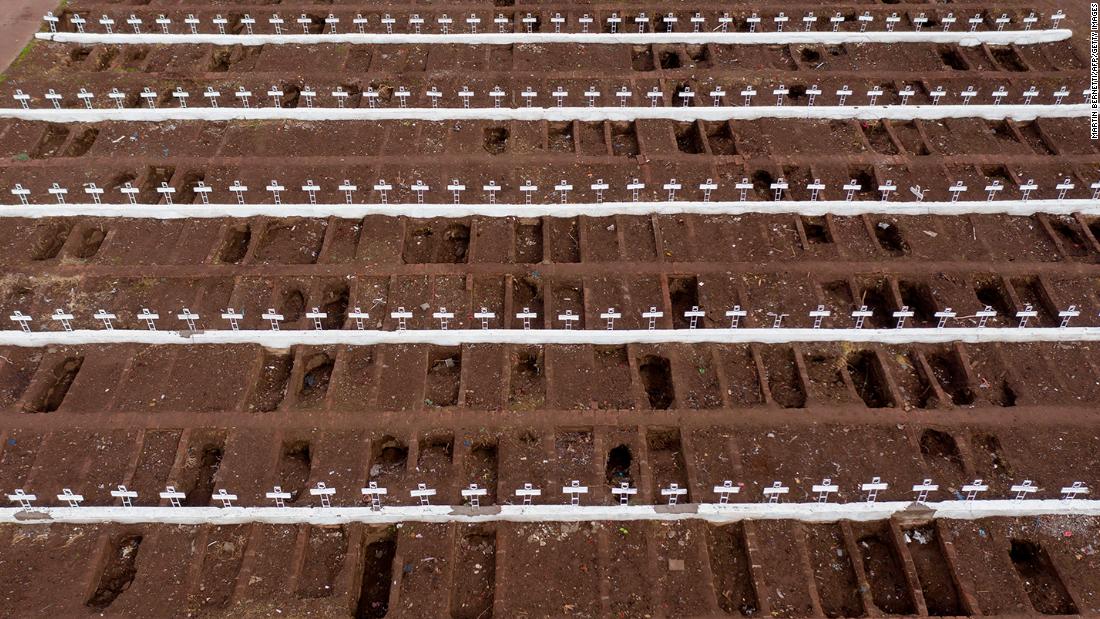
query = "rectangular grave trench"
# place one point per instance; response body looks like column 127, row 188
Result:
column 271, row 385
column 473, row 589
column 295, row 466
column 54, row 386
column 117, row 573
column 884, row 569
column 730, row 565
column 527, row 390
column 316, row 376
column 377, row 574
column 200, row 471
column 1040, row 578
column 933, row 571
column 444, row 373
column 834, row 575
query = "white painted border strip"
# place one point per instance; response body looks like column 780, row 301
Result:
column 965, row 39
column 584, row 114
column 710, row 512
column 358, row 211
column 455, row 337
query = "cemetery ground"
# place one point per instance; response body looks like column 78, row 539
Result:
column 245, row 418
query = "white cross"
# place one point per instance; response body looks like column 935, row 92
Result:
column 135, row 23
column 388, row 21
column 901, row 315
column 872, row 489
column 775, row 492
column 23, row 498
column 992, row 189
column 238, row 190
column 944, row 317
column 173, row 496
column 181, row 96
column 1027, row 188
column 642, row 19
column 724, row 21
column 815, row 189
column 188, row 318
column 599, row 187
column 1064, row 188
column 278, row 496
column 905, row 94
column 1022, row 490
column 707, row 187
column 272, row 317
column 212, row 96
column 975, row 22
column 559, row 95
column 735, row 315
column 864, row 20
column 324, row 492
column 192, row 22
column 850, row 189
column 948, row 21
column 574, row 490
column 937, row 93
column 1001, row 21
column 1073, row 490
column 64, row 318
column 670, row 21
column 316, row 316
column 150, row 318
column 527, row 492
column 557, row 20
column 150, row 97
column 456, row 188
column 956, row 190
column 778, row 187
column 591, row 94
column 51, row 20
column 1057, row 18
column 276, row 95
column 563, row 188
column 862, row 314
column 824, row 489
column 360, row 23
column 819, row 315
column 496, row 94
column 22, row 97
column 1030, row 94
column 225, row 497
column 491, row 190
column 610, row 315
column 22, row 320
column 472, row 21
column 54, row 98
column 358, row 315
column 58, row 192
column 892, row 20
column 331, row 21
column 107, row 23
column 529, row 22
column 304, row 21
column 127, row 496
column 434, row 96
column 672, row 187
column 984, row 315
column 652, row 315
column 635, row 187
column 243, row 95
column 233, row 316
column 528, row 95
column 693, row 315
column 999, row 94
column 568, row 318
column 375, row 494
column 725, row 490
column 655, row 96
column 443, row 316
column 972, row 489
column 341, row 97
column 716, row 95
column 873, row 95
column 166, row 191
column 673, row 492
column 1095, row 187
column 419, row 188
column 401, row 316
column 624, row 492
column 220, row 22
column 748, row 93
column 1067, row 314
column 624, row 95
column 753, row 20
column 383, row 188
column 886, row 189
column 422, row 492
column 79, row 22
column 808, row 21
column 1025, row 315
column 94, row 192
column 843, row 93
column 276, row 190
column 248, row 21
column 743, row 188
column 923, row 489
column 919, row 21
column 526, row 316
column 86, row 97
column 687, row 95
column 106, row 318
column 74, row 500
column 348, row 188
column 484, row 315
column 780, row 92
column 21, row 192
column 585, row 21
column 473, row 493
column 466, row 94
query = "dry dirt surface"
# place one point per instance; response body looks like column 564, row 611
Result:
column 245, row 418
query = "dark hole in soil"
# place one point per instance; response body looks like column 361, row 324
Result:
column 1072, row 238
column 797, row 91
column 528, row 241
column 657, row 379
column 51, row 141
column 294, row 468
column 203, row 489
column 700, row 55
column 293, row 305
column 933, row 572
column 496, row 140
column 641, row 58
column 890, row 238
column 683, row 87
column 953, row 59
column 335, row 304
column 435, row 452
column 869, row 379
column 117, row 574
column 688, row 139
column 291, row 95
column 444, row 370
column 1030, row 290
column 732, row 570
column 133, row 57
column 271, row 385
column 865, row 178
column 1008, row 58
column 937, row 447
column 527, row 292
column 876, row 297
column 918, row 296
column 684, row 293
column 817, row 230
column 454, row 244
column 390, row 456
column 994, row 455
column 624, row 138
column 504, row 2
column 992, row 293
column 374, row 589
column 154, row 176
column 315, row 380
column 721, row 138
column 1002, row 131
column 82, row 143
column 49, row 239
column 235, row 243
column 103, row 58
column 57, row 386
column 836, row 50
column 91, row 239
column 79, row 54
column 1040, row 579
column 185, row 193
column 925, row 395
column 762, row 183
column 619, row 460
column 670, row 59
column 948, row 370
column 998, row 173
column 220, row 60
column 527, row 390
column 560, row 137
column 117, row 181
column 889, row 589
column 809, row 55
column 879, row 137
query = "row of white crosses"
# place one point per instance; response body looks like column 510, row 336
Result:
column 593, row 97
column 455, row 188
column 642, row 22
column 567, row 319
column 473, row 493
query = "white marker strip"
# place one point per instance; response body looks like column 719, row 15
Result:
column 965, row 39
column 584, row 114
column 710, row 512
column 457, row 337
column 604, row 209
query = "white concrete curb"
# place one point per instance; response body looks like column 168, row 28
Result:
column 710, row 512
column 455, row 337
column 584, row 114
column 965, row 39
column 605, row 209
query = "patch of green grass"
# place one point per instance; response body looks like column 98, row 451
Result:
column 22, row 157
